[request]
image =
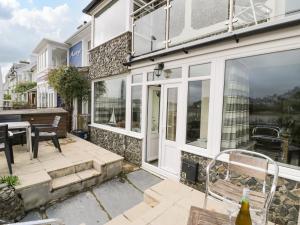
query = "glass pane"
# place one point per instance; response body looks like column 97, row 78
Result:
column 200, row 70
column 150, row 32
column 172, row 97
column 110, row 102
column 137, row 78
column 197, row 113
column 262, row 105
column 166, row 74
column 155, row 111
column 136, row 108
column 292, row 6
column 193, row 19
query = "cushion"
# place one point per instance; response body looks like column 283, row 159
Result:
column 45, row 134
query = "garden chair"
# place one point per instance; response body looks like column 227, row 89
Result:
column 242, row 164
column 45, row 131
column 19, row 135
column 4, row 145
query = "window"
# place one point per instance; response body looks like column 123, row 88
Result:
column 166, row 74
column 136, row 108
column 136, row 102
column 198, row 106
column 110, row 102
column 261, row 109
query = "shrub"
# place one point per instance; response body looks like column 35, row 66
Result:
column 10, row 180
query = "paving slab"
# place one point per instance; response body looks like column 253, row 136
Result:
column 143, row 180
column 80, row 209
column 117, row 197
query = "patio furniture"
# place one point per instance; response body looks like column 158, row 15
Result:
column 241, row 164
column 22, row 125
column 207, row 217
column 4, row 145
column 37, row 222
column 18, row 133
column 45, row 131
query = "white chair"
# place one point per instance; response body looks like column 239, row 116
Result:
column 247, row 164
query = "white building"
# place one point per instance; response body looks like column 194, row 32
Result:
column 1, row 89
column 50, row 54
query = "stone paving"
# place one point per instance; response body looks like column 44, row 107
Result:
column 101, row 203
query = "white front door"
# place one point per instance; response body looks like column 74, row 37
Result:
column 170, row 153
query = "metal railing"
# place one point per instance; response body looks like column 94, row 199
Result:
column 37, row 222
column 161, row 24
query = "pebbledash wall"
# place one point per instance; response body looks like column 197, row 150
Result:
column 285, row 206
column 107, row 61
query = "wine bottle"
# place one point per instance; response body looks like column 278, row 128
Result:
column 244, row 217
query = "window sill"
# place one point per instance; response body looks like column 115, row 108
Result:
column 118, row 130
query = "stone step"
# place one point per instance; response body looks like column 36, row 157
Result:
column 137, row 211
column 71, row 169
column 68, row 180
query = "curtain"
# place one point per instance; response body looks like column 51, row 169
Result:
column 235, row 131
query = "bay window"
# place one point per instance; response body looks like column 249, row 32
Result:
column 198, row 105
column 110, row 102
column 261, row 109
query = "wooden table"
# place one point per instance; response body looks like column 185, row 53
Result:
column 22, row 125
column 199, row 216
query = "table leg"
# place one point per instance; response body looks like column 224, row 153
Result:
column 29, row 141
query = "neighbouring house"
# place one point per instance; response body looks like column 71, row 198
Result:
column 78, row 54
column 201, row 77
column 50, row 54
column 20, row 85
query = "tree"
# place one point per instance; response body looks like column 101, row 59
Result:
column 69, row 84
column 24, row 86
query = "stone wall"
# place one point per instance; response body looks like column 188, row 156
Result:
column 128, row 147
column 285, row 206
column 108, row 58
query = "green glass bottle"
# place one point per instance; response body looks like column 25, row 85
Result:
column 244, row 217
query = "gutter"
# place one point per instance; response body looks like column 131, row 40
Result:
column 234, row 35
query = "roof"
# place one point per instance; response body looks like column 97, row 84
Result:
column 91, row 6
column 44, row 42
column 78, row 32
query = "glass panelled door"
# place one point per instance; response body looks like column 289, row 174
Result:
column 170, row 154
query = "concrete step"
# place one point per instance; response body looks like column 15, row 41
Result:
column 71, row 169
column 70, row 179
column 137, row 211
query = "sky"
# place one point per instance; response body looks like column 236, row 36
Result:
column 23, row 23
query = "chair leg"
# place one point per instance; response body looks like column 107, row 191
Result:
column 11, row 151
column 7, row 154
column 54, row 142
column 36, row 147
column 57, row 143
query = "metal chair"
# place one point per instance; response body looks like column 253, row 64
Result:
column 242, row 163
column 19, row 134
column 45, row 131
column 4, row 145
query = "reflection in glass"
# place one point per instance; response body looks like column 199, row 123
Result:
column 136, row 108
column 110, row 102
column 171, row 114
column 261, row 109
column 200, row 70
column 197, row 113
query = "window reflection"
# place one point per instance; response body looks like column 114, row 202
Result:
column 262, row 105
column 110, row 102
column 136, row 108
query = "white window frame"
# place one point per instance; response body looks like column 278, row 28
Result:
column 218, row 59
column 127, row 130
column 139, row 84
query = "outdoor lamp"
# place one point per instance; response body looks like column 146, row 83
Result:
column 158, row 69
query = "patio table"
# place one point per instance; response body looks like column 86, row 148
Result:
column 200, row 216
column 22, row 125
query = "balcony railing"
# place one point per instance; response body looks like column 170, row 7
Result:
column 161, row 24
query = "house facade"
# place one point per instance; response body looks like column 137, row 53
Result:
column 79, row 57
column 201, row 77
column 50, row 55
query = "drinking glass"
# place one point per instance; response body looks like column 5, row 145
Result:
column 232, row 209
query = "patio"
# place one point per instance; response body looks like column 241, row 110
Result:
column 55, row 175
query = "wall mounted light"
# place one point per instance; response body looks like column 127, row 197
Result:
column 158, row 69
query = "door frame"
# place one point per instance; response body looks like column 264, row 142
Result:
column 158, row 170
